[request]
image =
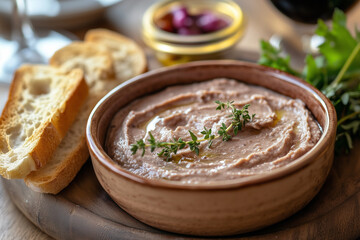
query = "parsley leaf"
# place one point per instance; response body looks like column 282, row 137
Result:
column 336, row 72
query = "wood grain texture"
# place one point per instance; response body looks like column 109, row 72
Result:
column 84, row 210
column 13, row 225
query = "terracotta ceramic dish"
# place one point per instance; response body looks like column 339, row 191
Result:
column 222, row 208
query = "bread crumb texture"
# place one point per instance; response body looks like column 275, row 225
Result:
column 107, row 59
column 36, row 102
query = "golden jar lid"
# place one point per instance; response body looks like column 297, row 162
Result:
column 200, row 44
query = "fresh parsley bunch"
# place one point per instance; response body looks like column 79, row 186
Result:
column 335, row 71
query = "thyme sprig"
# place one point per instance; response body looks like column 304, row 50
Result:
column 239, row 118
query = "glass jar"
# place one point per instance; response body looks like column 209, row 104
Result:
column 172, row 48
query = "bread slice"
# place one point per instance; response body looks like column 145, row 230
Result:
column 42, row 104
column 94, row 59
column 129, row 58
column 68, row 158
column 72, row 153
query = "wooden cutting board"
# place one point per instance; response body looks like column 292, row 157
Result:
column 84, row 210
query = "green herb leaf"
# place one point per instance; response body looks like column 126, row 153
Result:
column 152, row 142
column 271, row 56
column 223, row 133
column 182, row 144
column 338, row 44
column 220, row 106
column 134, row 149
column 139, row 145
column 168, row 149
column 336, row 72
column 208, row 136
column 193, row 136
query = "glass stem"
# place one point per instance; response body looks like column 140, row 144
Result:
column 23, row 31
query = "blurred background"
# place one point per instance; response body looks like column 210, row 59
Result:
column 75, row 17
column 72, row 18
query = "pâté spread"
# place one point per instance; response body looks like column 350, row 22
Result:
column 282, row 131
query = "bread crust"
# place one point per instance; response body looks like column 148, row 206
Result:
column 52, row 179
column 37, row 148
column 102, row 35
column 70, row 109
column 65, row 172
column 77, row 51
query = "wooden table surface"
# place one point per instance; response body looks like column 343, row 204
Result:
column 262, row 22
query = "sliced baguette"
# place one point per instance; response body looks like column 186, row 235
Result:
column 68, row 158
column 129, row 58
column 42, row 104
column 72, row 153
column 94, row 59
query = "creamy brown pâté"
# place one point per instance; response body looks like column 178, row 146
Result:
column 282, row 131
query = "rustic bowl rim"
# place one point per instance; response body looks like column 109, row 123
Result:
column 329, row 131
